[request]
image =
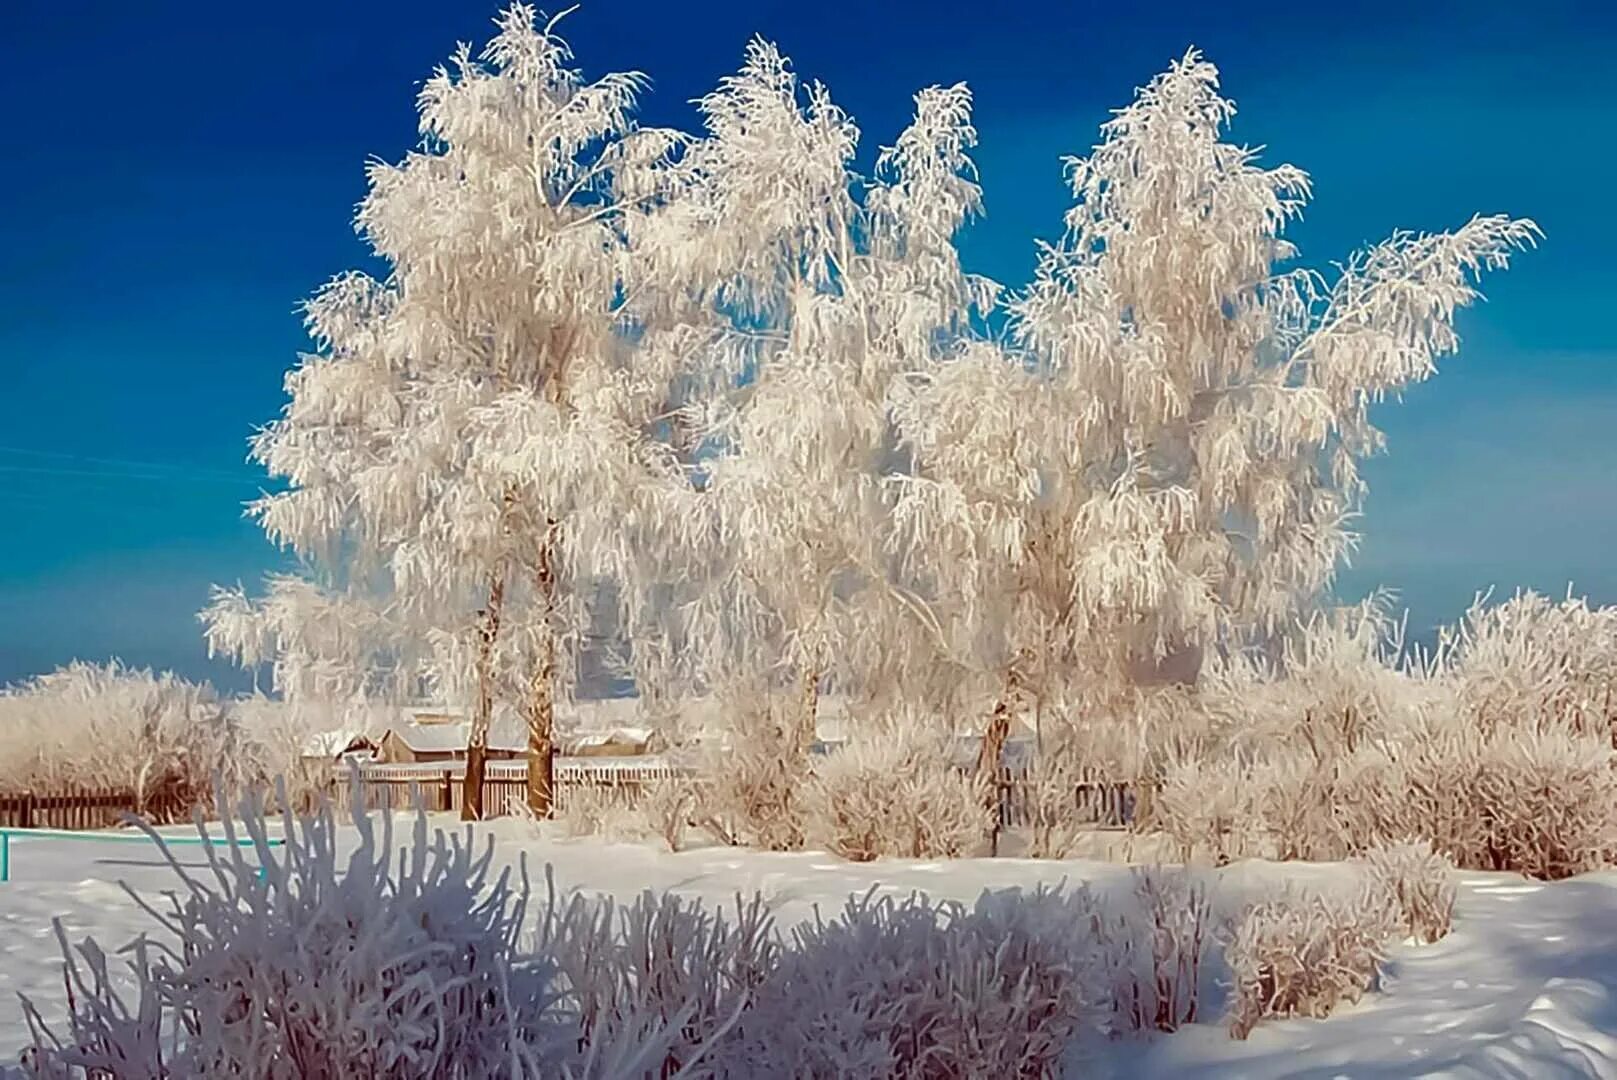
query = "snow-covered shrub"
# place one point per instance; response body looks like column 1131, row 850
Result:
column 1205, row 807
column 1293, row 798
column 660, row 958
column 607, row 811
column 1542, row 804
column 622, row 813
column 1417, row 883
column 1539, row 804
column 369, row 966
column 88, row 725
column 283, row 731
column 1155, row 949
column 894, row 790
column 669, row 805
column 1531, row 663
column 321, row 969
column 1498, row 750
column 751, row 788
column 1303, row 955
column 911, row 989
column 1049, row 800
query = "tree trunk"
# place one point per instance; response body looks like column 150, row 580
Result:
column 542, row 699
column 994, row 738
column 808, row 732
column 471, row 801
column 989, row 756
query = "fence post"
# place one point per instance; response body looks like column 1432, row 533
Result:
column 447, row 792
column 26, row 810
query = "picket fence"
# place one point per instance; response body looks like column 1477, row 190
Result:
column 66, row 808
column 1105, row 803
column 505, row 783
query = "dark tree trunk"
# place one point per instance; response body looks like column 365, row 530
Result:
column 471, row 803
column 989, row 757
column 542, row 700
column 995, row 736
column 808, row 732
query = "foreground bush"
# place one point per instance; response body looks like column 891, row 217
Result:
column 911, row 988
column 367, row 967
column 419, row 963
column 1416, row 884
column 1298, row 955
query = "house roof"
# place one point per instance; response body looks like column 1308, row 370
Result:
column 436, row 736
column 335, row 743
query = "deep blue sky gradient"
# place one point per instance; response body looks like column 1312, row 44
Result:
column 178, row 175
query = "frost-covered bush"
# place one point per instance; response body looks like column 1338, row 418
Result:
column 1154, row 950
column 751, row 788
column 894, row 790
column 908, row 988
column 1531, row 663
column 606, row 811
column 662, row 810
column 669, row 806
column 1048, row 793
column 661, row 960
column 1539, row 804
column 1304, row 955
column 387, row 964
column 1417, row 884
column 95, row 726
column 1205, row 807
column 1497, row 751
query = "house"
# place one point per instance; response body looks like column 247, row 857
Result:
column 432, row 736
column 436, row 734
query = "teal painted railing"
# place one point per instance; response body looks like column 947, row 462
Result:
column 7, row 833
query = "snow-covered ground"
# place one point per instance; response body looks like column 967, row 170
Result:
column 1525, row 986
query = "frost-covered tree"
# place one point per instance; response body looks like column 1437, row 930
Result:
column 320, row 644
column 476, row 445
column 745, row 398
column 827, row 290
column 1164, row 456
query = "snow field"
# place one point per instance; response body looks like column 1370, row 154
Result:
column 1524, row 986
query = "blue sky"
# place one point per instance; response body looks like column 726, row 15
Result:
column 178, row 175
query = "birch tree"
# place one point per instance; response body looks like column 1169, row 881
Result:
column 1163, row 457
column 476, row 431
column 320, row 645
column 826, row 288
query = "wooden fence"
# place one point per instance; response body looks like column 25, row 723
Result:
column 66, row 809
column 1096, row 800
column 505, row 783
column 1106, row 803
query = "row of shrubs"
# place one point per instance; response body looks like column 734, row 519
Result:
column 161, row 738
column 424, row 962
column 1497, row 750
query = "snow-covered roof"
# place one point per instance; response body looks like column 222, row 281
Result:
column 433, row 735
column 332, row 743
column 634, row 736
